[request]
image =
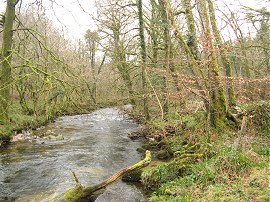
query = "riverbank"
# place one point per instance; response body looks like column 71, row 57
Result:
column 189, row 164
column 21, row 124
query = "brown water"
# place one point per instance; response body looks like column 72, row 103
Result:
column 94, row 147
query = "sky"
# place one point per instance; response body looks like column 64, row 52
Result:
column 69, row 16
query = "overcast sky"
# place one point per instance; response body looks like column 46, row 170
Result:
column 68, row 15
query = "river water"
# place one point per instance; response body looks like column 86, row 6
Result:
column 94, row 147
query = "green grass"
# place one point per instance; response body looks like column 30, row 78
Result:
column 230, row 175
column 261, row 148
column 194, row 121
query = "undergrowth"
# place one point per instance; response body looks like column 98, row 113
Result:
column 233, row 166
column 230, row 175
column 20, row 120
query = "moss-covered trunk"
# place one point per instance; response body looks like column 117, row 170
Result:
column 5, row 77
column 143, row 56
column 218, row 106
column 192, row 33
column 154, row 33
column 192, row 43
column 166, row 65
column 93, row 64
column 119, row 57
column 194, row 64
column 225, row 59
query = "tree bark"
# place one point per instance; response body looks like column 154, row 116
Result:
column 225, row 60
column 192, row 33
column 218, row 106
column 119, row 57
column 5, row 77
column 166, row 65
column 143, row 56
column 194, row 65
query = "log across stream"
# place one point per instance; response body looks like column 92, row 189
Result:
column 95, row 146
column 88, row 194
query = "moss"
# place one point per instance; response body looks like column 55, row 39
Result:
column 141, row 150
column 163, row 154
column 176, row 143
column 6, row 133
column 153, row 145
column 72, row 195
column 78, row 195
column 152, row 178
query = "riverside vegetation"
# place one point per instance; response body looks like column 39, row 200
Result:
column 202, row 95
column 231, row 165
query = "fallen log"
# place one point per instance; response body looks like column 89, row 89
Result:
column 87, row 194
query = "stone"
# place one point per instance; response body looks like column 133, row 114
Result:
column 18, row 137
column 59, row 137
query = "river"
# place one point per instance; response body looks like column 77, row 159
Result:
column 94, row 147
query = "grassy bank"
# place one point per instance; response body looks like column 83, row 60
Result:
column 231, row 174
column 21, row 121
column 229, row 164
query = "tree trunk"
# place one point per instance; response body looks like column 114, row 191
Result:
column 194, row 65
column 217, row 102
column 166, row 65
column 119, row 57
column 218, row 106
column 225, row 60
column 192, row 33
column 192, row 43
column 154, row 34
column 93, row 64
column 143, row 55
column 5, row 77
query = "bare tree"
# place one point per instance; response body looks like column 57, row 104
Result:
column 114, row 23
